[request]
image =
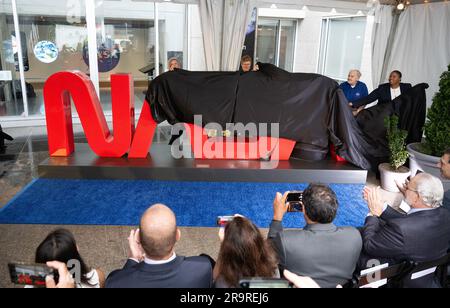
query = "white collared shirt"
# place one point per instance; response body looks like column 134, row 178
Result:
column 161, row 262
column 411, row 211
column 395, row 93
column 153, row 262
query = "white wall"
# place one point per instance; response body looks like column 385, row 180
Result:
column 308, row 43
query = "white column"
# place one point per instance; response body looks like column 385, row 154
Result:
column 92, row 44
column 20, row 57
column 188, row 35
column 157, row 39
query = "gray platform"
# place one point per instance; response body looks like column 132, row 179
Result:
column 160, row 165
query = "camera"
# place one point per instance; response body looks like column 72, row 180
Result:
column 222, row 221
column 295, row 200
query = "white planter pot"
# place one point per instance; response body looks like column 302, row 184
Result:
column 425, row 163
column 390, row 178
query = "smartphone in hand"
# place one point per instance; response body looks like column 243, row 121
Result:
column 222, row 221
column 30, row 274
column 295, row 200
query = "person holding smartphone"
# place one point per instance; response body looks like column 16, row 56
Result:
column 322, row 251
column 244, row 252
column 60, row 245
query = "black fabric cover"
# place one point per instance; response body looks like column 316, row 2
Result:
column 3, row 137
column 310, row 108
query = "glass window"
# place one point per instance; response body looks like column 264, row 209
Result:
column 287, row 44
column 11, row 102
column 267, row 41
column 125, row 44
column 276, row 42
column 53, row 33
column 341, row 46
column 172, row 34
column 55, row 37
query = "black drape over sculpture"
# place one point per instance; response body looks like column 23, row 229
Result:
column 3, row 137
column 310, row 108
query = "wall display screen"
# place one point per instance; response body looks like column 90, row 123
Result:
column 46, row 52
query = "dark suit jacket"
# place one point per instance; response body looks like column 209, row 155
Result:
column 193, row 272
column 420, row 237
column 382, row 94
column 446, row 202
column 326, row 253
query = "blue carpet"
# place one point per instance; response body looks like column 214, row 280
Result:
column 197, row 204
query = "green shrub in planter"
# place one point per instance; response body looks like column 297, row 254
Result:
column 396, row 139
column 437, row 127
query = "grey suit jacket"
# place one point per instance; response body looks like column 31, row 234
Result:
column 326, row 253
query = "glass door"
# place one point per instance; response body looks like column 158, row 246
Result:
column 125, row 43
column 342, row 46
column 267, row 41
column 11, row 101
column 53, row 35
column 276, row 42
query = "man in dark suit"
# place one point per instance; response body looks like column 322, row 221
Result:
column 321, row 250
column 444, row 165
column 385, row 93
column 152, row 260
column 421, row 235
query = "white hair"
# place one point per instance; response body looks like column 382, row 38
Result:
column 430, row 190
column 358, row 72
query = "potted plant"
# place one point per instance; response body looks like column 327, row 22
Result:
column 426, row 155
column 394, row 172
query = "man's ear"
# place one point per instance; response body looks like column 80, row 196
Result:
column 178, row 234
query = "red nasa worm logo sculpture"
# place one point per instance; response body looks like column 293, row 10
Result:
column 128, row 139
column 57, row 92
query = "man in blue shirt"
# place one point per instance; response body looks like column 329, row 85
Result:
column 353, row 88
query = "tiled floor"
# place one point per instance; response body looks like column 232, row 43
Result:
column 101, row 247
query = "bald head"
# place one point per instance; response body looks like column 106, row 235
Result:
column 158, row 231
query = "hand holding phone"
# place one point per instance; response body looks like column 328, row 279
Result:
column 295, row 201
column 30, row 274
column 222, row 221
column 65, row 279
